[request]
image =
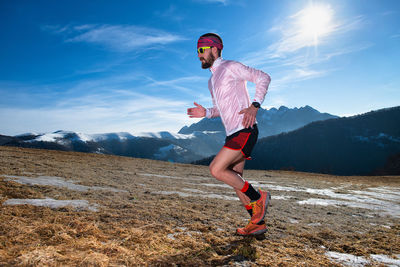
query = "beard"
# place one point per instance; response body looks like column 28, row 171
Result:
column 208, row 62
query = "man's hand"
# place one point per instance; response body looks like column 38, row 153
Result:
column 249, row 117
column 197, row 112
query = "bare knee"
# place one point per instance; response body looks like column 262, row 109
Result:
column 215, row 171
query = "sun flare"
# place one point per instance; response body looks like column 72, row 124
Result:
column 315, row 22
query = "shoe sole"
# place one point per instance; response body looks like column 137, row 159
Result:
column 259, row 232
column 266, row 203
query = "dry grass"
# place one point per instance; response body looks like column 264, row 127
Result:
column 142, row 227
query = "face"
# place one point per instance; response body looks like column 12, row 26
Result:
column 207, row 58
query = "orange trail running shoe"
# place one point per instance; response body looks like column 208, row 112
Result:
column 252, row 229
column 260, row 207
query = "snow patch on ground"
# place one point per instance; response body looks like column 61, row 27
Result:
column 281, row 197
column 386, row 260
column 347, row 259
column 359, row 261
column 390, row 206
column 52, row 203
column 384, row 200
column 182, row 231
column 217, row 185
column 383, row 193
column 57, row 182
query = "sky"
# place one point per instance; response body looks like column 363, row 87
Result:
column 132, row 66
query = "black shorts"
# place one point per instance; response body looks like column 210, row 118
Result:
column 243, row 140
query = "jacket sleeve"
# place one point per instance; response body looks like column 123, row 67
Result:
column 212, row 112
column 260, row 78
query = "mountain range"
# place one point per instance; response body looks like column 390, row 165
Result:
column 301, row 139
column 194, row 142
column 271, row 122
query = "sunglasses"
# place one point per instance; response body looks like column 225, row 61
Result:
column 201, row 50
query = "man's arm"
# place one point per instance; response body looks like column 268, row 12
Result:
column 258, row 77
column 262, row 81
column 212, row 112
column 199, row 112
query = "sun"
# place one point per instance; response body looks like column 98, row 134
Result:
column 315, row 22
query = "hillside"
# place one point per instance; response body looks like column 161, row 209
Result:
column 78, row 209
column 358, row 145
column 366, row 144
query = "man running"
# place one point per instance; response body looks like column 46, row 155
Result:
column 231, row 102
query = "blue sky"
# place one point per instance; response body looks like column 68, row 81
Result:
column 132, row 66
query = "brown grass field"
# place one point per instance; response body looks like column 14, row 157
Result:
column 152, row 213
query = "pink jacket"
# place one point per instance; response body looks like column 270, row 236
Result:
column 229, row 93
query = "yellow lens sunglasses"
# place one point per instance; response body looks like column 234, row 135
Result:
column 201, row 50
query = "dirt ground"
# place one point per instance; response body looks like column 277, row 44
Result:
column 144, row 212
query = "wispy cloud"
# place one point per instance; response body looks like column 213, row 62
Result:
column 183, row 84
column 296, row 75
column 302, row 60
column 122, row 38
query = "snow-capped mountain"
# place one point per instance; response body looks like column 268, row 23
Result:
column 62, row 136
column 160, row 145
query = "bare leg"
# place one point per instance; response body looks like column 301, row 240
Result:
column 221, row 168
column 238, row 168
